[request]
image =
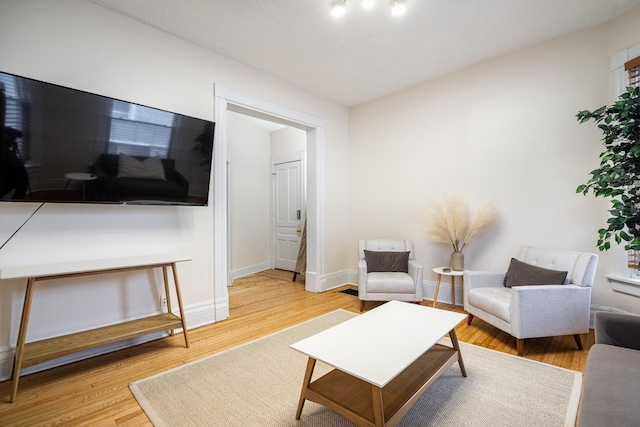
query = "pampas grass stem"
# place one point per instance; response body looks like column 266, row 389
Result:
column 449, row 221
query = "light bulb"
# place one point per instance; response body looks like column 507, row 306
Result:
column 368, row 4
column 338, row 10
column 398, row 8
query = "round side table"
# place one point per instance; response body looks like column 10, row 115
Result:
column 83, row 178
column 451, row 273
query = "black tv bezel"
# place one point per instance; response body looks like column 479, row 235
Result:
column 154, row 203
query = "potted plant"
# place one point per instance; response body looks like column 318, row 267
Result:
column 618, row 176
column 450, row 222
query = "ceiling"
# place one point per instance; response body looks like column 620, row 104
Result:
column 365, row 54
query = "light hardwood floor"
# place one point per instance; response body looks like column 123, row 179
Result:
column 95, row 392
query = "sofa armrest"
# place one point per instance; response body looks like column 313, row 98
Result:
column 622, row 330
column 482, row 279
column 416, row 272
column 549, row 310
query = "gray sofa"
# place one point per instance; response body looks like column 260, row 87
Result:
column 611, row 388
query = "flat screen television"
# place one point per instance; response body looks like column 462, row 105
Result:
column 66, row 145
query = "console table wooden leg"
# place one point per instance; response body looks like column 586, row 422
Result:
column 378, row 410
column 22, row 336
column 456, row 346
column 166, row 292
column 311, row 363
column 174, row 269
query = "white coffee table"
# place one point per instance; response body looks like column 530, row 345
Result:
column 385, row 359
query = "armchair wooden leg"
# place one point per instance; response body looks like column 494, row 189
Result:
column 469, row 319
column 520, row 346
column 578, row 341
column 362, row 305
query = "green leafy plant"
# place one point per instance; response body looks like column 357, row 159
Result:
column 618, row 176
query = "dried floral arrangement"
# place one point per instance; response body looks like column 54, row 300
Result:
column 450, row 221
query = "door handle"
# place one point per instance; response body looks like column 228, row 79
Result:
column 298, row 230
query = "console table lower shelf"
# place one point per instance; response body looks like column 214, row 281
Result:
column 364, row 403
column 41, row 351
column 36, row 352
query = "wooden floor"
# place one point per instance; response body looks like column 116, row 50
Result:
column 95, row 392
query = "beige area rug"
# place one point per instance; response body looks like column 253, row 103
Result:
column 258, row 384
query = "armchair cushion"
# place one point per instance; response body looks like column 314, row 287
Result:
column 496, row 301
column 391, row 283
column 522, row 274
column 387, row 261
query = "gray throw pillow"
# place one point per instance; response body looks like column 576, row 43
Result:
column 521, row 274
column 387, row 261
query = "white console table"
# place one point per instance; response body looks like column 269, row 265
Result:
column 33, row 353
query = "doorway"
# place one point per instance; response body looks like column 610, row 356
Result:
column 230, row 100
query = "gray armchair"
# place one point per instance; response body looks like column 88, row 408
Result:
column 535, row 311
column 388, row 285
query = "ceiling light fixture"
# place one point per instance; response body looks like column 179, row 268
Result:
column 398, row 8
column 339, row 8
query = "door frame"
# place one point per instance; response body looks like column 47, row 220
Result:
column 226, row 99
column 302, row 158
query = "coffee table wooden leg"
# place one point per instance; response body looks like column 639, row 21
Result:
column 307, row 380
column 435, row 296
column 378, row 410
column 456, row 346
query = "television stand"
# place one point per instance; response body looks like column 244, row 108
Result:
column 36, row 352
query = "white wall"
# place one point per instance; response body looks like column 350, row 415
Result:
column 504, row 130
column 249, row 152
column 78, row 44
column 287, row 141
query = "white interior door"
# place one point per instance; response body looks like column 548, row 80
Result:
column 287, row 213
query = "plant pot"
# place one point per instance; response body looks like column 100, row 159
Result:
column 457, row 261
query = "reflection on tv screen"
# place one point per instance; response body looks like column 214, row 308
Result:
column 66, row 145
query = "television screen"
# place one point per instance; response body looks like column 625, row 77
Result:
column 66, row 145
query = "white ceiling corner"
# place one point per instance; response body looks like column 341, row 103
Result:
column 365, row 54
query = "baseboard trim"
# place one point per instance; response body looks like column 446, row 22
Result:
column 335, row 280
column 252, row 269
column 196, row 315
